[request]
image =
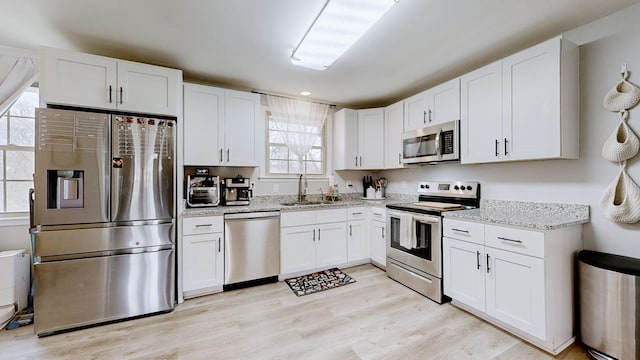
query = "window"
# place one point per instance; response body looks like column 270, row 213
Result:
column 281, row 160
column 17, row 138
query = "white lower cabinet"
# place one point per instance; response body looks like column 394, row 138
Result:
column 202, row 255
column 312, row 240
column 520, row 280
column 377, row 236
column 357, row 244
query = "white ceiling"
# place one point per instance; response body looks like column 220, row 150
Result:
column 245, row 44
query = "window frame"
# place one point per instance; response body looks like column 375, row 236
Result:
column 4, row 213
column 288, row 174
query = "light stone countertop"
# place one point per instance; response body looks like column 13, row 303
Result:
column 533, row 215
column 274, row 203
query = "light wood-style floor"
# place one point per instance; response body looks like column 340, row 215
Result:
column 374, row 318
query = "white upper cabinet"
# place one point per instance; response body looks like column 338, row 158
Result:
column 345, row 139
column 481, row 103
column 219, row 126
column 241, row 114
column 433, row 106
column 77, row 79
column 539, row 106
column 358, row 137
column 371, row 138
column 393, row 128
column 203, row 112
column 415, row 111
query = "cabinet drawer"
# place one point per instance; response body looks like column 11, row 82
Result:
column 331, row 215
column 297, row 218
column 202, row 225
column 378, row 214
column 356, row 213
column 520, row 241
column 464, row 230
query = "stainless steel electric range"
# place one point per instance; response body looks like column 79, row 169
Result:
column 414, row 234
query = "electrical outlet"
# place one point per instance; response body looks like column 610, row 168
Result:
column 349, row 184
column 404, row 184
column 276, row 188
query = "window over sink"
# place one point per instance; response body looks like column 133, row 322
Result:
column 281, row 160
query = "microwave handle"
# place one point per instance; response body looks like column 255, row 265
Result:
column 438, row 149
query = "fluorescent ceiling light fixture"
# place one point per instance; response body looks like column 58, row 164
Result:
column 338, row 26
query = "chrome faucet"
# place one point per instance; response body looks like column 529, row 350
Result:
column 302, row 188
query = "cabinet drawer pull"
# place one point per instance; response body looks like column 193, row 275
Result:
column 478, row 258
column 488, row 268
column 462, row 231
column 510, row 240
column 377, row 214
column 203, row 225
column 356, row 213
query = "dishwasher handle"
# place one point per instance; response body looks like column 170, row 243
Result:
column 251, row 215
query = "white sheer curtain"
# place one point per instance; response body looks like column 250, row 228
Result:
column 16, row 74
column 295, row 120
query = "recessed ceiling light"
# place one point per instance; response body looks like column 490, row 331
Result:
column 305, row 93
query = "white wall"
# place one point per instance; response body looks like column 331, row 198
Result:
column 604, row 45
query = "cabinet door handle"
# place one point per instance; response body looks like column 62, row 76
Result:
column 399, row 158
column 228, row 151
column 360, row 161
column 356, row 213
column 356, row 161
column 203, row 225
column 462, row 231
column 219, row 241
column 478, row 258
column 110, row 91
column 488, row 268
column 377, row 214
column 318, row 234
column 497, row 143
column 220, row 155
column 314, row 234
column 121, row 95
column 430, row 112
column 424, row 117
column 382, row 232
column 506, row 152
column 510, row 240
column 350, row 233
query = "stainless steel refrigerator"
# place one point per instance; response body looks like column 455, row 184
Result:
column 103, row 216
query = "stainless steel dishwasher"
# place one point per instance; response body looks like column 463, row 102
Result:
column 252, row 248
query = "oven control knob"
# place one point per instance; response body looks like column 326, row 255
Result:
column 469, row 188
column 457, row 187
column 422, row 186
column 426, row 186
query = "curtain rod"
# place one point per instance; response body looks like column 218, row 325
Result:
column 289, row 97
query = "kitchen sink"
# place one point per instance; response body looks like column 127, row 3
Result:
column 301, row 203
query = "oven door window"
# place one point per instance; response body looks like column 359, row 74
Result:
column 422, row 233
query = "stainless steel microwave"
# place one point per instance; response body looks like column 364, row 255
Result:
column 432, row 144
